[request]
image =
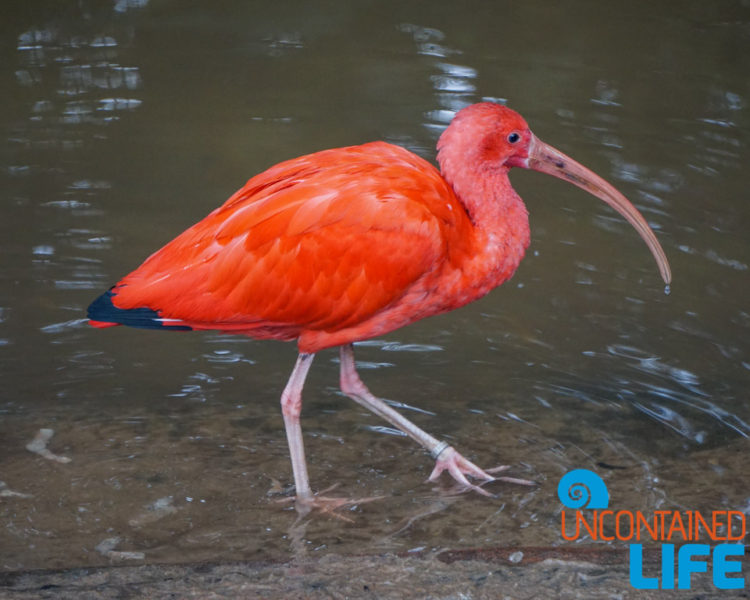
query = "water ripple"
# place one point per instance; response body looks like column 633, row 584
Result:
column 64, row 326
column 690, row 394
column 223, row 356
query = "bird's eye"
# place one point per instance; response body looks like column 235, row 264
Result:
column 513, row 137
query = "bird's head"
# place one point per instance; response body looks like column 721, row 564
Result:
column 486, row 138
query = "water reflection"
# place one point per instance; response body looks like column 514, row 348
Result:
column 227, row 357
column 123, row 6
column 76, row 67
column 76, row 86
column 280, row 44
column 456, row 79
column 606, row 94
column 427, row 40
column 681, row 388
column 454, row 84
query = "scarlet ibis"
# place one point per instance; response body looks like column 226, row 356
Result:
column 351, row 243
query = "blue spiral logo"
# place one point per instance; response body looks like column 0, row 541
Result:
column 582, row 488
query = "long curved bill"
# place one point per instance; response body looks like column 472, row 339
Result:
column 546, row 159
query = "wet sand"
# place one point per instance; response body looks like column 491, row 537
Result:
column 490, row 573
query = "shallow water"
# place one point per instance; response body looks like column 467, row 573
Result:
column 124, row 122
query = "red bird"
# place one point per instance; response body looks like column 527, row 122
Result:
column 351, row 243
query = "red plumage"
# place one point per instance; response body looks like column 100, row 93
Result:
column 351, row 243
column 329, row 248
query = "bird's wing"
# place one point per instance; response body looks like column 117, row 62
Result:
column 317, row 243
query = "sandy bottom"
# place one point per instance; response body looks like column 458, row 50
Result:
column 489, row 573
column 529, row 566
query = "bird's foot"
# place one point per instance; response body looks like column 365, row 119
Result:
column 328, row 505
column 459, row 467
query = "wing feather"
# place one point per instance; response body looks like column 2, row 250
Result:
column 322, row 242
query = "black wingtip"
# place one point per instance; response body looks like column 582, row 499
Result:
column 102, row 311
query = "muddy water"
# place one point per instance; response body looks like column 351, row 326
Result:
column 126, row 121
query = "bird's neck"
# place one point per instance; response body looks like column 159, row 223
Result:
column 486, row 193
column 500, row 225
column 495, row 209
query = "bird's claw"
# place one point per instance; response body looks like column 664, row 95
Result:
column 326, row 504
column 459, row 467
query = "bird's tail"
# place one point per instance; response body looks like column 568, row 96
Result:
column 102, row 312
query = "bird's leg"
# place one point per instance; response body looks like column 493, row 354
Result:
column 447, row 459
column 291, row 408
